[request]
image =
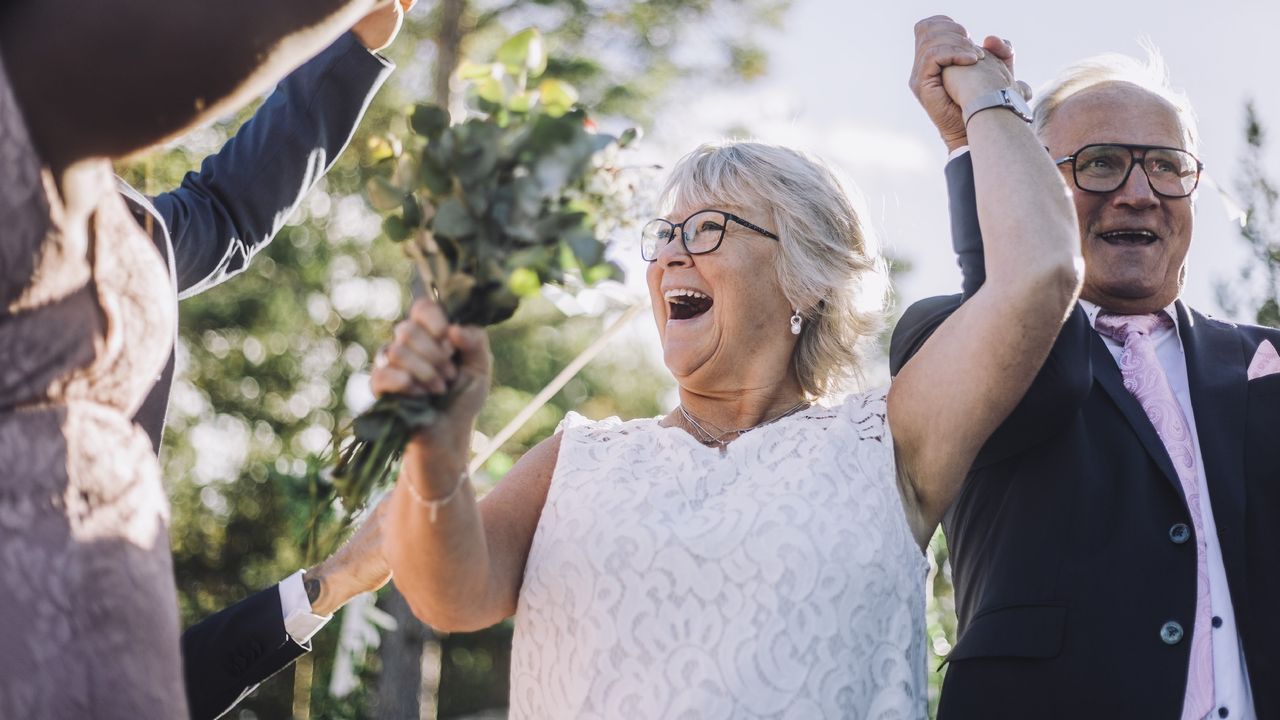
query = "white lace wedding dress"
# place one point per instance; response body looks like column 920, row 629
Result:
column 776, row 580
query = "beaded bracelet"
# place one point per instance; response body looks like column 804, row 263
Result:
column 434, row 505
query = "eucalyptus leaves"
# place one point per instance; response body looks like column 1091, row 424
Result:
column 491, row 209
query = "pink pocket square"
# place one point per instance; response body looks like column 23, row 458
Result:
column 1265, row 361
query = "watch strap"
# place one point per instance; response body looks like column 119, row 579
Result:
column 1008, row 98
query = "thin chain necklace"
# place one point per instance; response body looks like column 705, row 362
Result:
column 717, row 440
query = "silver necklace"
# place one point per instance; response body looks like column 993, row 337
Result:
column 711, row 439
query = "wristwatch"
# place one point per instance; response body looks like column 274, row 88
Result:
column 1008, row 98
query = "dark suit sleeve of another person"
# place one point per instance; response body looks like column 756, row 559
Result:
column 242, row 196
column 1064, row 380
column 228, row 654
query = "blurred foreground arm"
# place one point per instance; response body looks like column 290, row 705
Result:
column 109, row 79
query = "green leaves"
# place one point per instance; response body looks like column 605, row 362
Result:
column 429, row 121
column 491, row 209
column 523, row 53
column 453, row 221
column 557, row 97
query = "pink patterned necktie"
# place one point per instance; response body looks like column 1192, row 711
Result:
column 1145, row 379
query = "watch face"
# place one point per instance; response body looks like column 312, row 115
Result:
column 1017, row 102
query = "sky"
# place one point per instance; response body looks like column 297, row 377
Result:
column 837, row 87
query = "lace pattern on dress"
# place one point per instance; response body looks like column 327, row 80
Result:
column 89, row 627
column 777, row 580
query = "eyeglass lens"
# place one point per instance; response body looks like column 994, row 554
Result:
column 702, row 233
column 1104, row 168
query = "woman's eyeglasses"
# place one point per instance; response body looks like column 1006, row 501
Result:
column 701, row 233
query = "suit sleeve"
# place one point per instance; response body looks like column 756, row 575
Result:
column 966, row 234
column 228, row 654
column 229, row 210
column 1067, row 375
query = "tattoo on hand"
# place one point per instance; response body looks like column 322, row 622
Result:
column 313, row 590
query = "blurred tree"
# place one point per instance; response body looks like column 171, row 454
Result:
column 273, row 361
column 1255, row 295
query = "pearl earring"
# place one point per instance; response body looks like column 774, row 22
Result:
column 796, row 320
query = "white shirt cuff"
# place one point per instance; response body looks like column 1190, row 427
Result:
column 299, row 621
column 957, row 152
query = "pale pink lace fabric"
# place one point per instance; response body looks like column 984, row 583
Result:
column 88, row 615
column 778, row 580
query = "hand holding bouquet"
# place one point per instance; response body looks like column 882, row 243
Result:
column 490, row 210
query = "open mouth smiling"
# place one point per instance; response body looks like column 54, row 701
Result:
column 1129, row 236
column 686, row 303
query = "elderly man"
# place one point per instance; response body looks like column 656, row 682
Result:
column 1113, row 548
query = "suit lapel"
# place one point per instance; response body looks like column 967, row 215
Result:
column 1107, row 373
column 1217, row 375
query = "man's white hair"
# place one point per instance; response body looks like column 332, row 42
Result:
column 1151, row 74
column 829, row 267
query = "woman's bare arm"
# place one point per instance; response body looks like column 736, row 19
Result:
column 463, row 572
column 460, row 569
column 108, row 79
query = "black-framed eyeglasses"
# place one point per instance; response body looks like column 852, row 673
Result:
column 1105, row 167
column 701, row 232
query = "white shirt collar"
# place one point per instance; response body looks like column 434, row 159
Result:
column 1091, row 310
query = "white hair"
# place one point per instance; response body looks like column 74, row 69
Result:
column 1151, row 74
column 829, row 267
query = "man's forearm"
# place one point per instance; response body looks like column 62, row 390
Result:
column 357, row 567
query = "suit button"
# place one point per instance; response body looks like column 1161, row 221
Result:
column 1171, row 633
column 1179, row 533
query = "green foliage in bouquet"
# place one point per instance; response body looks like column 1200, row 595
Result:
column 522, row 194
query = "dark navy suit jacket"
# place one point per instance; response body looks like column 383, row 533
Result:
column 209, row 229
column 1063, row 545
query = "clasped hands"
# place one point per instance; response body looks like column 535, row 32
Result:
column 950, row 70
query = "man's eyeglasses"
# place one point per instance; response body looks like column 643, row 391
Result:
column 1104, row 168
column 701, row 233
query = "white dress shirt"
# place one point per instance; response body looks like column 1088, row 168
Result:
column 1230, row 677
column 299, row 621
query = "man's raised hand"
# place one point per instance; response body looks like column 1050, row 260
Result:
column 940, row 43
column 379, row 28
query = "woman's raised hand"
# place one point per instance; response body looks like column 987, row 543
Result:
column 428, row 355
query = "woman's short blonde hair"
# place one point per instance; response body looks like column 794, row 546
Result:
column 829, row 267
column 1151, row 74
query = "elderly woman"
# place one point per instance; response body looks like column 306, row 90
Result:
column 756, row 552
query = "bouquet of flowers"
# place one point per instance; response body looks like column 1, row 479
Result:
column 490, row 209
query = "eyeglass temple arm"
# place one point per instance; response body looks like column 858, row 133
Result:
column 751, row 226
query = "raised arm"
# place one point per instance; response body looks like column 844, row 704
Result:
column 459, row 565
column 108, row 79
column 241, row 196
column 973, row 370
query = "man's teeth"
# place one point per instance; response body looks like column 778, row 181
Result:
column 1129, row 233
